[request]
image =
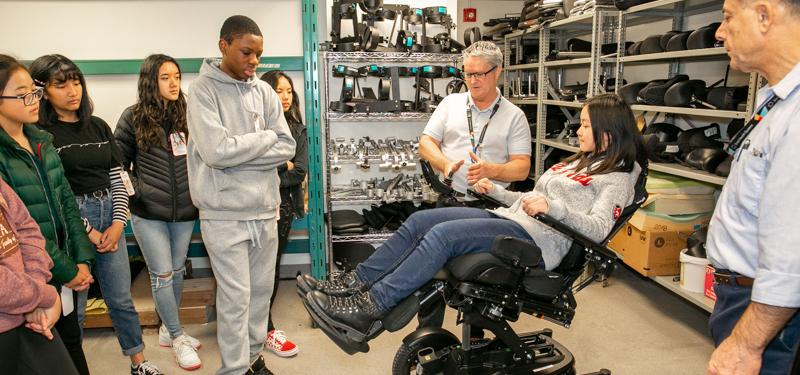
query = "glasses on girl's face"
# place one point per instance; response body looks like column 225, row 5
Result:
column 30, row 98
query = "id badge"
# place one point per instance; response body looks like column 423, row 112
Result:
column 126, row 180
column 178, row 142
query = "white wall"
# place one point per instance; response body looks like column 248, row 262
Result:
column 128, row 29
column 487, row 9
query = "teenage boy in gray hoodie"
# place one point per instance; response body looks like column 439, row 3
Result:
column 238, row 139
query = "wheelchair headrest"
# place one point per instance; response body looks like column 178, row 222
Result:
column 630, row 91
column 653, row 93
column 686, row 93
column 706, row 159
column 703, row 37
column 678, row 42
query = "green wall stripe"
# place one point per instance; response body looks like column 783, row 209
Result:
column 188, row 65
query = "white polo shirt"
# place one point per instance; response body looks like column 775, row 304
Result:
column 508, row 133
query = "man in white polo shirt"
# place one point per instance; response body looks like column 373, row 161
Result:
column 476, row 134
column 479, row 133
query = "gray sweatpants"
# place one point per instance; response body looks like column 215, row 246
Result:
column 242, row 256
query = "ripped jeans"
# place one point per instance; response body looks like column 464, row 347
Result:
column 164, row 246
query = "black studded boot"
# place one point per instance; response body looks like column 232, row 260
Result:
column 338, row 284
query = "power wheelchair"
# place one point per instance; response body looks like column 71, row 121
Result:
column 489, row 290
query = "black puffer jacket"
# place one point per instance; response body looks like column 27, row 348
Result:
column 159, row 177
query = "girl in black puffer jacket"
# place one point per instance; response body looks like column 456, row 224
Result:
column 152, row 137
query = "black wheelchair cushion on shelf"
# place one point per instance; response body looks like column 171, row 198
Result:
column 724, row 168
column 702, row 137
column 686, row 93
column 727, row 98
column 484, row 268
column 543, row 284
column 653, row 93
column 651, row 44
column 625, row 4
column 678, row 42
column 347, row 255
column 579, row 45
column 630, row 92
column 705, row 159
column 634, row 49
column 516, row 251
column 346, row 219
column 666, row 37
column 352, row 231
column 703, row 37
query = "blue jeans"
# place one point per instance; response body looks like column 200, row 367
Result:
column 113, row 272
column 424, row 244
column 732, row 301
column 164, row 246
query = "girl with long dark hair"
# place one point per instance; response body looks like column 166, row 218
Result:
column 586, row 192
column 91, row 160
column 292, row 175
column 30, row 165
column 152, row 136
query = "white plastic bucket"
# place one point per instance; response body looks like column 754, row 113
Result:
column 693, row 272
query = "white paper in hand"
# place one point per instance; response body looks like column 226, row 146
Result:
column 67, row 303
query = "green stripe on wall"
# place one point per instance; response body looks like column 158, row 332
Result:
column 188, row 65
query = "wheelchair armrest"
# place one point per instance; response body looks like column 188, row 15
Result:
column 486, row 198
column 575, row 236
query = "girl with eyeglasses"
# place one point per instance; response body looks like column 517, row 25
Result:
column 30, row 164
column 93, row 168
column 152, row 136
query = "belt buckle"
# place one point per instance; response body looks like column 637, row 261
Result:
column 98, row 194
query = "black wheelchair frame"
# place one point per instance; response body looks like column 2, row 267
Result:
column 489, row 290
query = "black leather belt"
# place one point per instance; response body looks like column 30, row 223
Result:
column 728, row 277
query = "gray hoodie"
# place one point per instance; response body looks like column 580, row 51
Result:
column 590, row 204
column 238, row 138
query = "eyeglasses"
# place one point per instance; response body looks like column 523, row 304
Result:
column 30, row 98
column 479, row 75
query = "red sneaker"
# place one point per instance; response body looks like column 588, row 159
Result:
column 277, row 343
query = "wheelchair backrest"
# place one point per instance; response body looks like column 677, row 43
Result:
column 573, row 263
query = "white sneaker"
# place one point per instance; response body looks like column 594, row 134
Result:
column 185, row 353
column 165, row 341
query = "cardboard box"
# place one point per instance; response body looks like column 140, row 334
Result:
column 649, row 221
column 709, row 289
column 648, row 252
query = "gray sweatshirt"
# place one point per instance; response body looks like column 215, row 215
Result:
column 238, row 137
column 590, row 204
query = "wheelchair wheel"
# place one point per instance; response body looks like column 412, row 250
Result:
column 405, row 361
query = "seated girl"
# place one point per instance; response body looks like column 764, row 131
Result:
column 587, row 191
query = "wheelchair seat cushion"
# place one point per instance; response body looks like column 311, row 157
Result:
column 484, row 268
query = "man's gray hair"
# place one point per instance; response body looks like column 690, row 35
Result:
column 488, row 51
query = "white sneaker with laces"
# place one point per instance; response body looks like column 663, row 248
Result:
column 277, row 343
column 185, row 353
column 165, row 341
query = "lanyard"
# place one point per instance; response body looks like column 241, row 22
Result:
column 759, row 115
column 483, row 132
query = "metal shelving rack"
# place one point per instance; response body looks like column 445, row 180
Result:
column 607, row 25
column 329, row 118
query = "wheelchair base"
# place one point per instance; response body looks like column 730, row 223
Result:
column 490, row 356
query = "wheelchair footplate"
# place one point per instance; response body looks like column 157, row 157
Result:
column 350, row 341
